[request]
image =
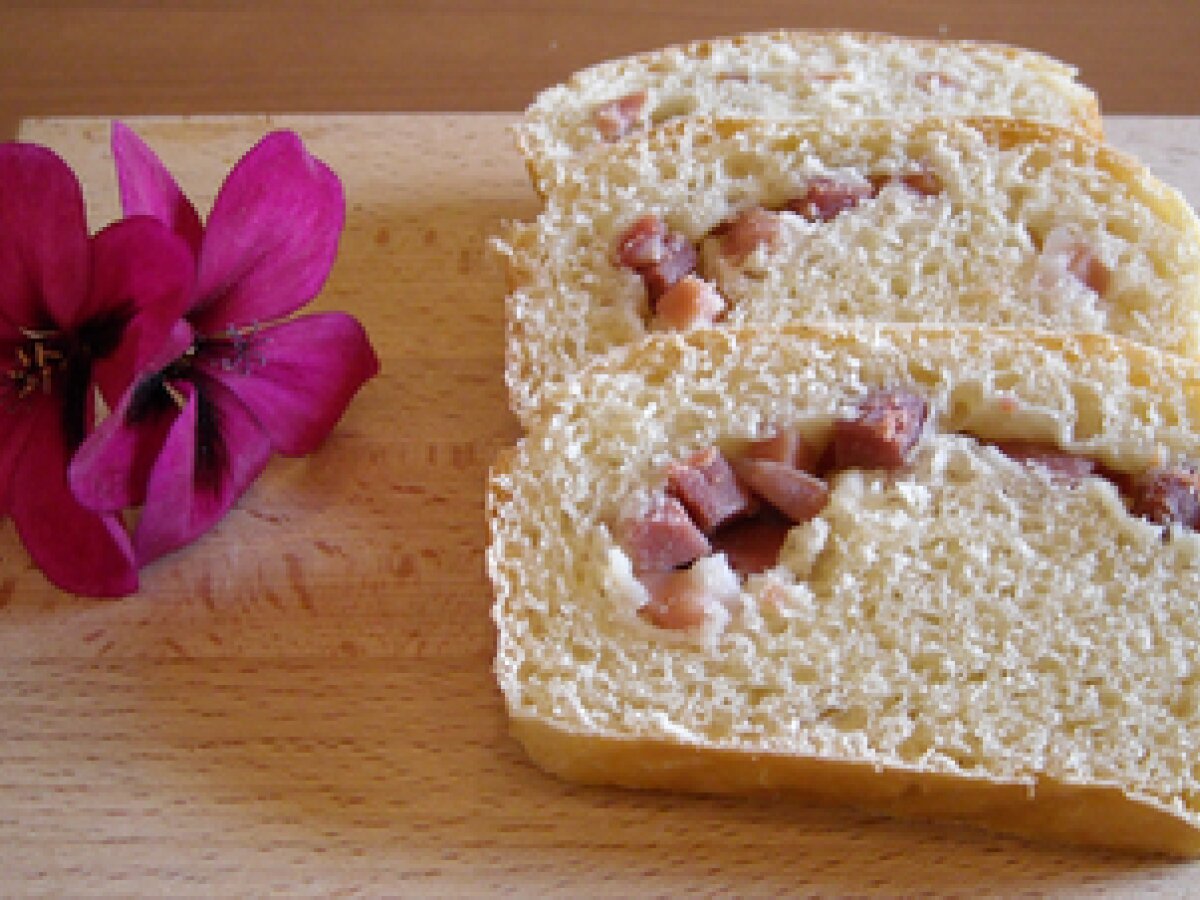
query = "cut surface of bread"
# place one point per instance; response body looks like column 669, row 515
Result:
column 798, row 73
column 970, row 636
column 986, row 221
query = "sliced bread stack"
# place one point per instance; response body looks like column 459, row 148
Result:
column 860, row 449
column 995, row 221
column 789, row 74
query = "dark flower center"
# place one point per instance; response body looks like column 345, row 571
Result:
column 100, row 337
column 157, row 396
column 52, row 361
column 235, row 349
column 37, row 363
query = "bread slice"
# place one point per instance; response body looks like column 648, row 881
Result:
column 962, row 221
column 800, row 73
column 970, row 637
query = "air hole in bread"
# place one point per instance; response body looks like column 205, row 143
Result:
column 1089, row 412
column 852, row 718
column 805, row 674
column 583, row 655
column 917, row 744
column 1005, row 381
column 673, row 107
column 965, row 401
column 964, row 759
column 921, row 374
column 741, row 165
column 758, row 695
column 1145, row 410
column 1125, row 229
column 1191, row 392
column 1191, row 799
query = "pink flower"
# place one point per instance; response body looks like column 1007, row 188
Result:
column 75, row 312
column 187, row 440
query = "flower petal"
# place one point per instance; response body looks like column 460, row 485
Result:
column 213, row 452
column 142, row 278
column 271, row 238
column 112, row 467
column 16, row 425
column 43, row 239
column 147, row 188
column 298, row 377
column 77, row 549
column 10, row 330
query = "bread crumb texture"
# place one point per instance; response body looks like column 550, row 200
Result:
column 812, row 74
column 986, row 248
column 969, row 615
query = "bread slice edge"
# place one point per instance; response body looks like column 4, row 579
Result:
column 1045, row 810
column 1036, row 805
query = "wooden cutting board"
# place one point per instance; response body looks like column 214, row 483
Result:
column 302, row 703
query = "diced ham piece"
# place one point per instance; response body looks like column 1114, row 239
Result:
column 752, row 545
column 659, row 255
column 825, row 198
column 688, row 303
column 1123, row 481
column 1065, row 250
column 679, row 259
column 662, row 538
column 708, row 489
column 1050, row 457
column 787, row 446
column 676, row 602
column 886, row 428
column 1169, row 494
column 618, row 117
column 685, row 599
column 643, row 243
column 796, row 494
column 751, row 228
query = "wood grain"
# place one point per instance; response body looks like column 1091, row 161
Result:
column 124, row 57
column 301, row 703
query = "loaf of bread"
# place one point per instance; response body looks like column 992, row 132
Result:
column 986, row 221
column 798, row 73
column 978, row 634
